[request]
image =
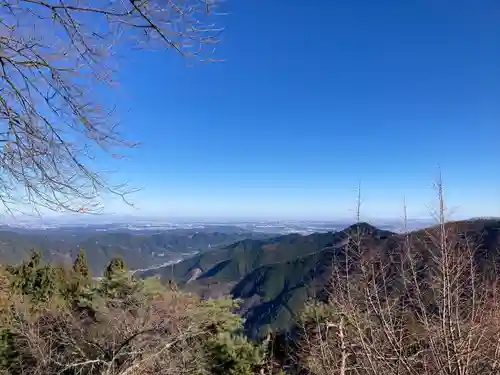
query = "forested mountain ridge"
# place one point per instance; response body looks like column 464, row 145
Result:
column 276, row 277
column 138, row 316
column 139, row 250
column 233, row 262
column 277, row 293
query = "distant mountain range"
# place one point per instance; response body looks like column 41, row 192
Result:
column 273, row 271
column 141, row 249
column 275, row 276
column 143, row 243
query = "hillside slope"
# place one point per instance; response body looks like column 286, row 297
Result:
column 272, row 276
column 275, row 277
column 231, row 263
column 274, row 294
column 139, row 250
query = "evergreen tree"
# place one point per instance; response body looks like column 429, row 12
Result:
column 119, row 287
column 8, row 355
column 232, row 353
column 35, row 279
column 226, row 348
column 81, row 266
column 115, row 267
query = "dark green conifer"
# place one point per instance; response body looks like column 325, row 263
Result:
column 115, row 267
column 81, row 266
column 34, row 279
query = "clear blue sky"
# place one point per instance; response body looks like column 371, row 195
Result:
column 314, row 97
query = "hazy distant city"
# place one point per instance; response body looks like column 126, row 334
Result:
column 97, row 223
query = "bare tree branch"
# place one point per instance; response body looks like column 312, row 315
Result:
column 54, row 56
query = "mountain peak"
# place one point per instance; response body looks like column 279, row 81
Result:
column 362, row 226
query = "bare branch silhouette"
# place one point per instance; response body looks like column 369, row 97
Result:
column 54, row 57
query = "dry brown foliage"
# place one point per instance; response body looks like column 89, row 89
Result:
column 161, row 336
column 422, row 307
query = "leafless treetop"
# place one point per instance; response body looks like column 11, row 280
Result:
column 53, row 56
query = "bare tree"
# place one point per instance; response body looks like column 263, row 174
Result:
column 419, row 304
column 54, row 55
